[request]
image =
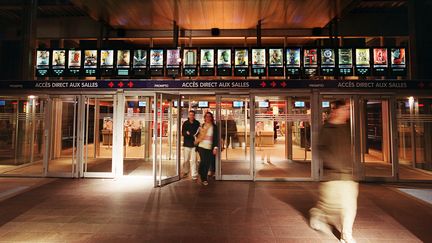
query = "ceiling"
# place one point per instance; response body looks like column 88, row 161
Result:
column 206, row 14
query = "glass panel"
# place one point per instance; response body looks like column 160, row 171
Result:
column 414, row 122
column 282, row 137
column 21, row 135
column 235, row 135
column 98, row 134
column 375, row 134
column 167, row 139
column 63, row 135
column 138, row 134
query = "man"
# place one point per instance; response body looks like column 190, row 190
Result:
column 189, row 130
column 337, row 204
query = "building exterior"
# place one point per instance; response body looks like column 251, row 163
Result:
column 100, row 92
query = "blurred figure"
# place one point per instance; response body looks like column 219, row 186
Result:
column 228, row 132
column 207, row 141
column 189, row 130
column 337, row 203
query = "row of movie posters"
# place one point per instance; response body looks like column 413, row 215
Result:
column 223, row 60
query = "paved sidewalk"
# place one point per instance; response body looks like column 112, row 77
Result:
column 130, row 210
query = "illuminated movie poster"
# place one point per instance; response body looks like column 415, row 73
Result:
column 293, row 57
column 241, row 58
column 74, row 59
column 140, row 59
column 207, row 58
column 189, row 57
column 42, row 59
column 345, row 58
column 156, row 58
column 90, row 59
column 123, row 58
column 398, row 57
column 58, row 59
column 276, row 57
column 224, row 58
column 107, row 59
column 310, row 57
column 362, row 57
column 258, row 58
column 380, row 57
column 173, row 58
column 328, row 57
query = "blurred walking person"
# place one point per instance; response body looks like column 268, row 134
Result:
column 337, row 203
column 189, row 130
column 207, row 141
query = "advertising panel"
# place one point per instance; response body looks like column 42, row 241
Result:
column 90, row 59
column 310, row 58
column 276, row 57
column 74, row 59
column 59, row 59
column 293, row 57
column 123, row 58
column 224, row 58
column 156, row 58
column 140, row 59
column 258, row 58
column 207, row 58
column 107, row 59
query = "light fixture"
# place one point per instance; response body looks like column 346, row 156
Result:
column 31, row 97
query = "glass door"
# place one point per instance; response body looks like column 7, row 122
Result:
column 282, row 137
column 138, row 135
column 233, row 115
column 63, row 131
column 375, row 134
column 166, row 141
column 98, row 136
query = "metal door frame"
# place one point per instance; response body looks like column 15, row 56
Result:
column 251, row 102
column 76, row 139
column 157, row 141
column 84, row 134
column 392, row 140
column 314, row 109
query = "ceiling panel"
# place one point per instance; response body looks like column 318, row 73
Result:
column 206, row 14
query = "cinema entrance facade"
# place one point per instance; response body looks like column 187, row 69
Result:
column 268, row 128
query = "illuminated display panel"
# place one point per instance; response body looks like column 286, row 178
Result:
column 156, row 58
column 123, row 59
column 107, row 59
column 139, row 59
column 207, row 58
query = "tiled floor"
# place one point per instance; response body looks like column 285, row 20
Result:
column 130, row 210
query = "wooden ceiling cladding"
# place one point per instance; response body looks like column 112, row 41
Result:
column 206, row 14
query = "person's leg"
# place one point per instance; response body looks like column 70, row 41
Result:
column 186, row 160
column 349, row 208
column 193, row 163
column 203, row 166
column 321, row 214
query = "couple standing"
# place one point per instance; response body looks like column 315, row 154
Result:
column 204, row 139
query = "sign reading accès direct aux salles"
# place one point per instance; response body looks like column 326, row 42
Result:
column 218, row 84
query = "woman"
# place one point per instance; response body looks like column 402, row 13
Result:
column 207, row 142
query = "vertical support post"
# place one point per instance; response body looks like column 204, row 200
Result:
column 28, row 38
column 355, row 137
column 258, row 30
column 117, row 148
column 315, row 127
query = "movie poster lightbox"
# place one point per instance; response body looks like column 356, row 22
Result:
column 259, row 62
column 275, row 62
column 241, row 62
column 190, row 62
column 293, row 62
column 42, row 63
column 224, row 62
